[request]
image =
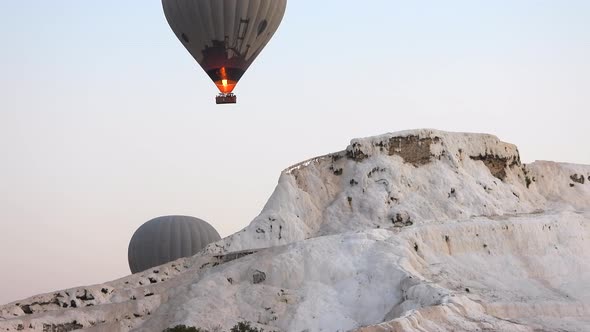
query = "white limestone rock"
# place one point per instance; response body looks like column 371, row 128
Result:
column 411, row 231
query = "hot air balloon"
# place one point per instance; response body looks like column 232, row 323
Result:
column 165, row 239
column 224, row 36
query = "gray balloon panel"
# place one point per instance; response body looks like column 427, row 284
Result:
column 244, row 26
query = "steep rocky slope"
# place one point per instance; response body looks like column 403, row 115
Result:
column 409, row 231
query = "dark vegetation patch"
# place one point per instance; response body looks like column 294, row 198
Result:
column 528, row 180
column 401, row 220
column 452, row 193
column 578, row 178
column 184, row 328
column 375, row 170
column 239, row 327
column 62, row 327
column 355, row 153
column 258, row 277
column 234, row 255
column 86, row 297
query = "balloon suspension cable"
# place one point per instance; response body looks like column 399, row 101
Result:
column 226, row 98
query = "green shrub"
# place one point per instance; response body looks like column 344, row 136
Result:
column 184, row 328
column 244, row 327
column 240, row 327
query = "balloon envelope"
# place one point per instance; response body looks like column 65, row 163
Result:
column 224, row 36
column 165, row 239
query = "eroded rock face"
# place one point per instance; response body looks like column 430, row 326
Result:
column 413, row 149
column 497, row 165
column 355, row 153
column 407, row 173
column 422, row 147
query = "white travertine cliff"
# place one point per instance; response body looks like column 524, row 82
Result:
column 418, row 230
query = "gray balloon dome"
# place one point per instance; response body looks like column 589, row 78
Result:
column 165, row 239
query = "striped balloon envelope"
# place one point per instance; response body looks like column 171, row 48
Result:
column 165, row 239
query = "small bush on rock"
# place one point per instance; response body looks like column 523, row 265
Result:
column 240, row 327
column 244, row 327
column 184, row 328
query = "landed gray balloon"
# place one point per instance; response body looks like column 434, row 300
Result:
column 165, row 239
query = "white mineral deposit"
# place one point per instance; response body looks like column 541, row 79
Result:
column 419, row 230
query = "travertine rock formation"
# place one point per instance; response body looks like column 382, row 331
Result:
column 409, row 231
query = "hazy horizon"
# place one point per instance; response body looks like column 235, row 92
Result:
column 106, row 121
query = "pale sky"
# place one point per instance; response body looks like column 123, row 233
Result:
column 106, row 121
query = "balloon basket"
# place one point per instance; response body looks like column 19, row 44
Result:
column 228, row 98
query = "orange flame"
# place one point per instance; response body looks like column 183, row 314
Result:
column 225, row 85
